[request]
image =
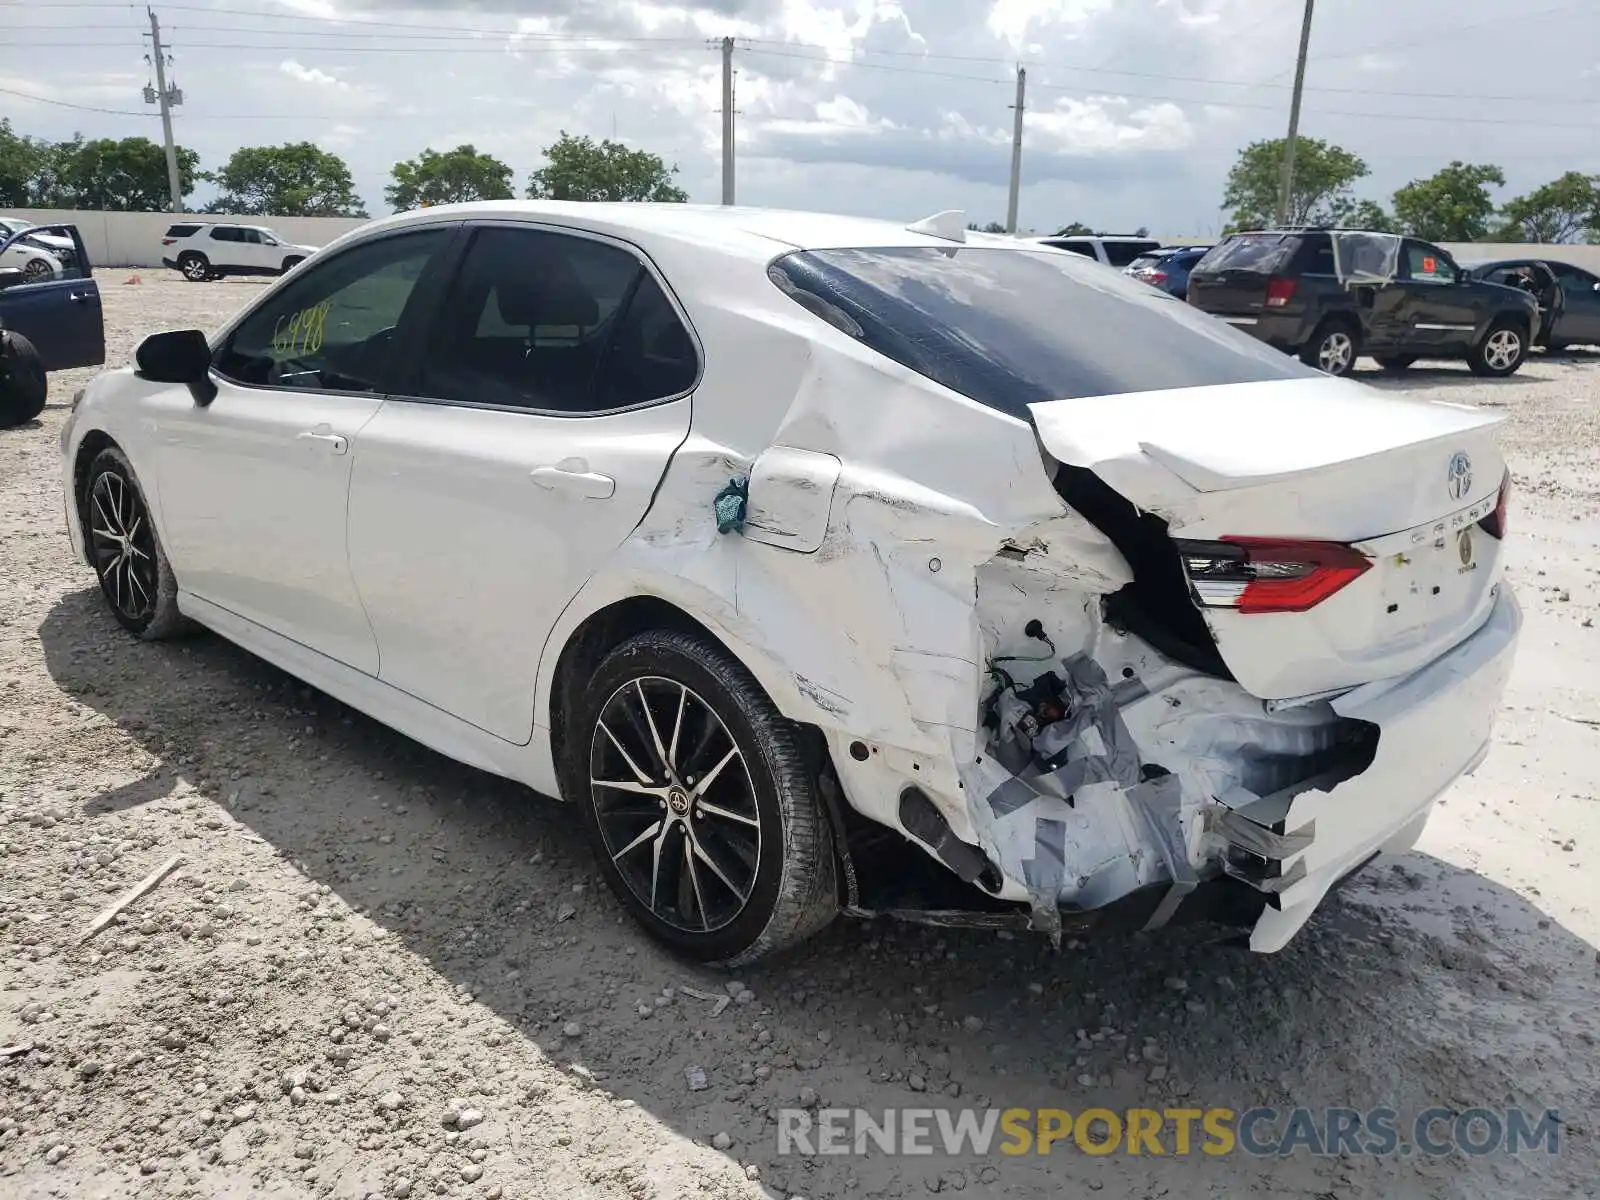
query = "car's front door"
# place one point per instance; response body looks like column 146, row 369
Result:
column 545, row 406
column 59, row 314
column 1580, row 318
column 253, row 486
column 1442, row 310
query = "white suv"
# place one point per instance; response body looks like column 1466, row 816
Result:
column 1114, row 250
column 202, row 251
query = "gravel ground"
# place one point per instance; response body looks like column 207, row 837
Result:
column 378, row 972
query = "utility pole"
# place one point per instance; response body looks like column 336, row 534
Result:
column 166, row 97
column 727, row 120
column 1286, row 183
column 1016, row 150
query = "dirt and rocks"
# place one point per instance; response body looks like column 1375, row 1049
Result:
column 377, row 973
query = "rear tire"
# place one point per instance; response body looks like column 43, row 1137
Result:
column 1396, row 362
column 135, row 577
column 1334, row 348
column 723, row 878
column 23, row 383
column 194, row 266
column 1500, row 351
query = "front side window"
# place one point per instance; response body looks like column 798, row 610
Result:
column 1428, row 264
column 554, row 322
column 1009, row 328
column 332, row 328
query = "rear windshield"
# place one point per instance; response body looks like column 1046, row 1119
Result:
column 1010, row 328
column 177, row 231
column 1246, row 252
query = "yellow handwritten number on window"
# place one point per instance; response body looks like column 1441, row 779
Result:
column 301, row 332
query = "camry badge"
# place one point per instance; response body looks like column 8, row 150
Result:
column 1458, row 476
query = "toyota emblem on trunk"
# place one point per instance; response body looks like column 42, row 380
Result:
column 1458, row 477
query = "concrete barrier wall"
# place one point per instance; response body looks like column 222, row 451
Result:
column 127, row 239
column 123, row 239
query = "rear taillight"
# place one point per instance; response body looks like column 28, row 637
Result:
column 1266, row 575
column 1154, row 276
column 1495, row 523
column 1279, row 291
column 168, row 241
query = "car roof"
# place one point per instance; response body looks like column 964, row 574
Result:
column 755, row 232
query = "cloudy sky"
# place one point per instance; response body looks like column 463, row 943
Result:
column 1135, row 108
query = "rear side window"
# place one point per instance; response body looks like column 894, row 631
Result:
column 556, row 323
column 1084, row 248
column 1010, row 328
column 182, row 231
column 1120, row 254
column 1316, row 256
column 1245, row 252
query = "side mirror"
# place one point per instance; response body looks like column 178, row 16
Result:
column 178, row 356
column 11, row 276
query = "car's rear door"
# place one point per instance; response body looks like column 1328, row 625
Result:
column 61, row 316
column 544, row 407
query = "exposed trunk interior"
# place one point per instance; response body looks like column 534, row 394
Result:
column 1156, row 606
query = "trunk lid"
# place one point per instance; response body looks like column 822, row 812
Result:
column 1410, row 485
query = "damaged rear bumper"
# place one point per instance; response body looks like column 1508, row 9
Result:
column 1171, row 799
column 1434, row 726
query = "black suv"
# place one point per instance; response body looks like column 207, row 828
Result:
column 1330, row 295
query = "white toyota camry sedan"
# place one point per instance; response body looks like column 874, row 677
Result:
column 828, row 564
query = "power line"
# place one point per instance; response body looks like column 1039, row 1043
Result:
column 1452, row 118
column 114, row 112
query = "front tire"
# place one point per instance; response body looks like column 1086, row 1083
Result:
column 1500, row 352
column 699, row 801
column 134, row 574
column 1333, row 349
column 290, row 263
column 36, row 269
column 195, row 267
column 23, row 382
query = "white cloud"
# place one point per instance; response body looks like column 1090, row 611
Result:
column 310, row 75
column 895, row 107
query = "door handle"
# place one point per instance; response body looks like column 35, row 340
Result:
column 79, row 297
column 578, row 482
column 337, row 443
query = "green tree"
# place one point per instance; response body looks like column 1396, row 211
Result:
column 579, row 168
column 449, row 178
column 991, row 227
column 129, row 175
column 1323, row 176
column 1452, row 205
column 21, row 159
column 1076, row 229
column 1556, row 212
column 1363, row 214
column 296, row 179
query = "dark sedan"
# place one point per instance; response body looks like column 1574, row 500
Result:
column 1569, row 296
